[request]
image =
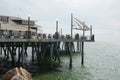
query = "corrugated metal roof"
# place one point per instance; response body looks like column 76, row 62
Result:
column 11, row 25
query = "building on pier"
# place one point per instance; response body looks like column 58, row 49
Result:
column 17, row 24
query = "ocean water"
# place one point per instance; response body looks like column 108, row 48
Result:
column 102, row 62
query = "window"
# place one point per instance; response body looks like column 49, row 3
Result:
column 4, row 19
column 25, row 22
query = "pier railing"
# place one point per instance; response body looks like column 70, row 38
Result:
column 22, row 36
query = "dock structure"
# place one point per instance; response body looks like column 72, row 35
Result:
column 15, row 45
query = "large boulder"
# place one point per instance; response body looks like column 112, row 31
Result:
column 18, row 77
column 25, row 74
column 8, row 75
column 17, row 74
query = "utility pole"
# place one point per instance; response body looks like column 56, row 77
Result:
column 71, row 25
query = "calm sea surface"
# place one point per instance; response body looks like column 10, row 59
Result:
column 102, row 62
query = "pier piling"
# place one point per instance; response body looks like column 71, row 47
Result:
column 78, row 46
column 82, row 53
column 70, row 54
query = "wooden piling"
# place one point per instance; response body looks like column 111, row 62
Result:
column 51, row 55
column 78, row 47
column 70, row 54
column 22, row 53
column 0, row 49
column 71, row 25
column 57, row 54
column 73, row 47
column 7, row 56
column 33, row 50
column 11, row 50
column 82, row 54
column 25, row 49
column 38, row 53
column 4, row 50
column 19, row 54
column 57, row 26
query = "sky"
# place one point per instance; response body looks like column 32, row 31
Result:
column 103, row 15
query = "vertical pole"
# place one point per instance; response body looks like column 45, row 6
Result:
column 26, row 46
column 57, row 51
column 19, row 54
column 70, row 54
column 56, row 26
column 22, row 53
column 37, row 54
column 7, row 52
column 0, row 48
column 91, row 31
column 4, row 49
column 78, row 46
column 12, row 54
column 38, row 50
column 83, row 32
column 33, row 52
column 71, row 25
column 0, row 26
column 51, row 55
column 82, row 54
column 28, row 27
column 28, row 23
column 0, row 31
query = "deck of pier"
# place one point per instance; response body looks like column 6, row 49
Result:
column 11, row 47
column 44, row 40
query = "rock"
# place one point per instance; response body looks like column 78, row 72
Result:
column 18, row 77
column 8, row 75
column 17, row 74
column 25, row 74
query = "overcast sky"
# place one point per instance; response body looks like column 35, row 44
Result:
column 103, row 15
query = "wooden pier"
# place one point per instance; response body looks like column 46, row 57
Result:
column 14, row 45
column 16, row 49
